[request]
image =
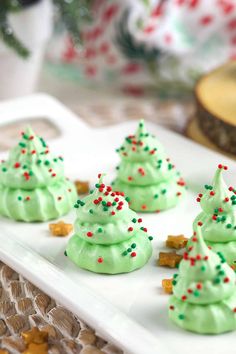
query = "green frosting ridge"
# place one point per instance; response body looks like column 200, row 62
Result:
column 146, row 175
column 204, row 291
column 109, row 236
column 218, row 217
column 32, row 182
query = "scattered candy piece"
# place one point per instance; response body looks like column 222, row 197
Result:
column 82, row 187
column 169, row 259
column 177, row 242
column 167, row 285
column 60, row 229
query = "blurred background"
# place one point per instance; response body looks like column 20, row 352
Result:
column 113, row 60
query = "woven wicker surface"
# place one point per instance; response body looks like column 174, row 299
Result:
column 22, row 305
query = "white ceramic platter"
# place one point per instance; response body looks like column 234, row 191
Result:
column 128, row 309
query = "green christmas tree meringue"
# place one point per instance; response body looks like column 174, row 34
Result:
column 218, row 217
column 32, row 182
column 109, row 236
column 146, row 175
column 204, row 291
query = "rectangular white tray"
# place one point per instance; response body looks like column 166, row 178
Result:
column 128, row 309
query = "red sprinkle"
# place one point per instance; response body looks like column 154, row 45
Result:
column 113, row 213
column 133, row 254
column 27, row 198
column 17, row 165
column 140, row 220
column 100, row 260
column 130, row 229
column 184, row 297
column 172, row 307
column 199, row 286
column 212, row 193
column 96, row 201
column 89, row 234
column 199, row 223
column 226, row 280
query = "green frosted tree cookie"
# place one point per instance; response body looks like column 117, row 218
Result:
column 33, row 186
column 204, row 291
column 109, row 236
column 146, row 175
column 218, row 217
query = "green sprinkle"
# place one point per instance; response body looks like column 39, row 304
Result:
column 169, row 166
column 117, row 150
column 104, row 202
column 22, row 144
column 223, row 218
column 47, row 163
column 146, row 148
column 221, row 272
column 163, row 191
column 196, row 293
column 25, row 136
column 234, row 202
column 216, row 281
column 4, row 169
column 181, row 317
column 76, row 206
column 218, row 266
column 117, row 167
column 97, row 185
column 31, row 173
column 156, row 196
column 39, row 162
column 114, row 203
column 122, row 148
column 55, row 160
column 105, row 208
column 134, row 220
column 203, row 268
column 133, row 245
column 82, row 203
column 129, row 249
column 25, row 167
column 91, row 191
column 150, row 238
column 100, row 230
column 159, row 161
column 174, row 282
column 228, row 226
column 141, row 124
column 175, row 275
column 125, row 253
column 19, row 198
column 91, row 211
column 127, row 199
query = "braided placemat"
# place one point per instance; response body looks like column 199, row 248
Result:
column 22, row 305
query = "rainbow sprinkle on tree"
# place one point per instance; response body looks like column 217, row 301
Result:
column 32, row 182
column 109, row 236
column 146, row 175
column 218, row 216
column 204, row 292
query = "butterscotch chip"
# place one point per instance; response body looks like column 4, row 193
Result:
column 4, row 351
column 82, row 187
column 60, row 229
column 177, row 242
column 35, row 336
column 37, row 348
column 169, row 259
column 167, row 285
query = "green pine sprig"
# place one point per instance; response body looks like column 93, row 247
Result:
column 71, row 12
